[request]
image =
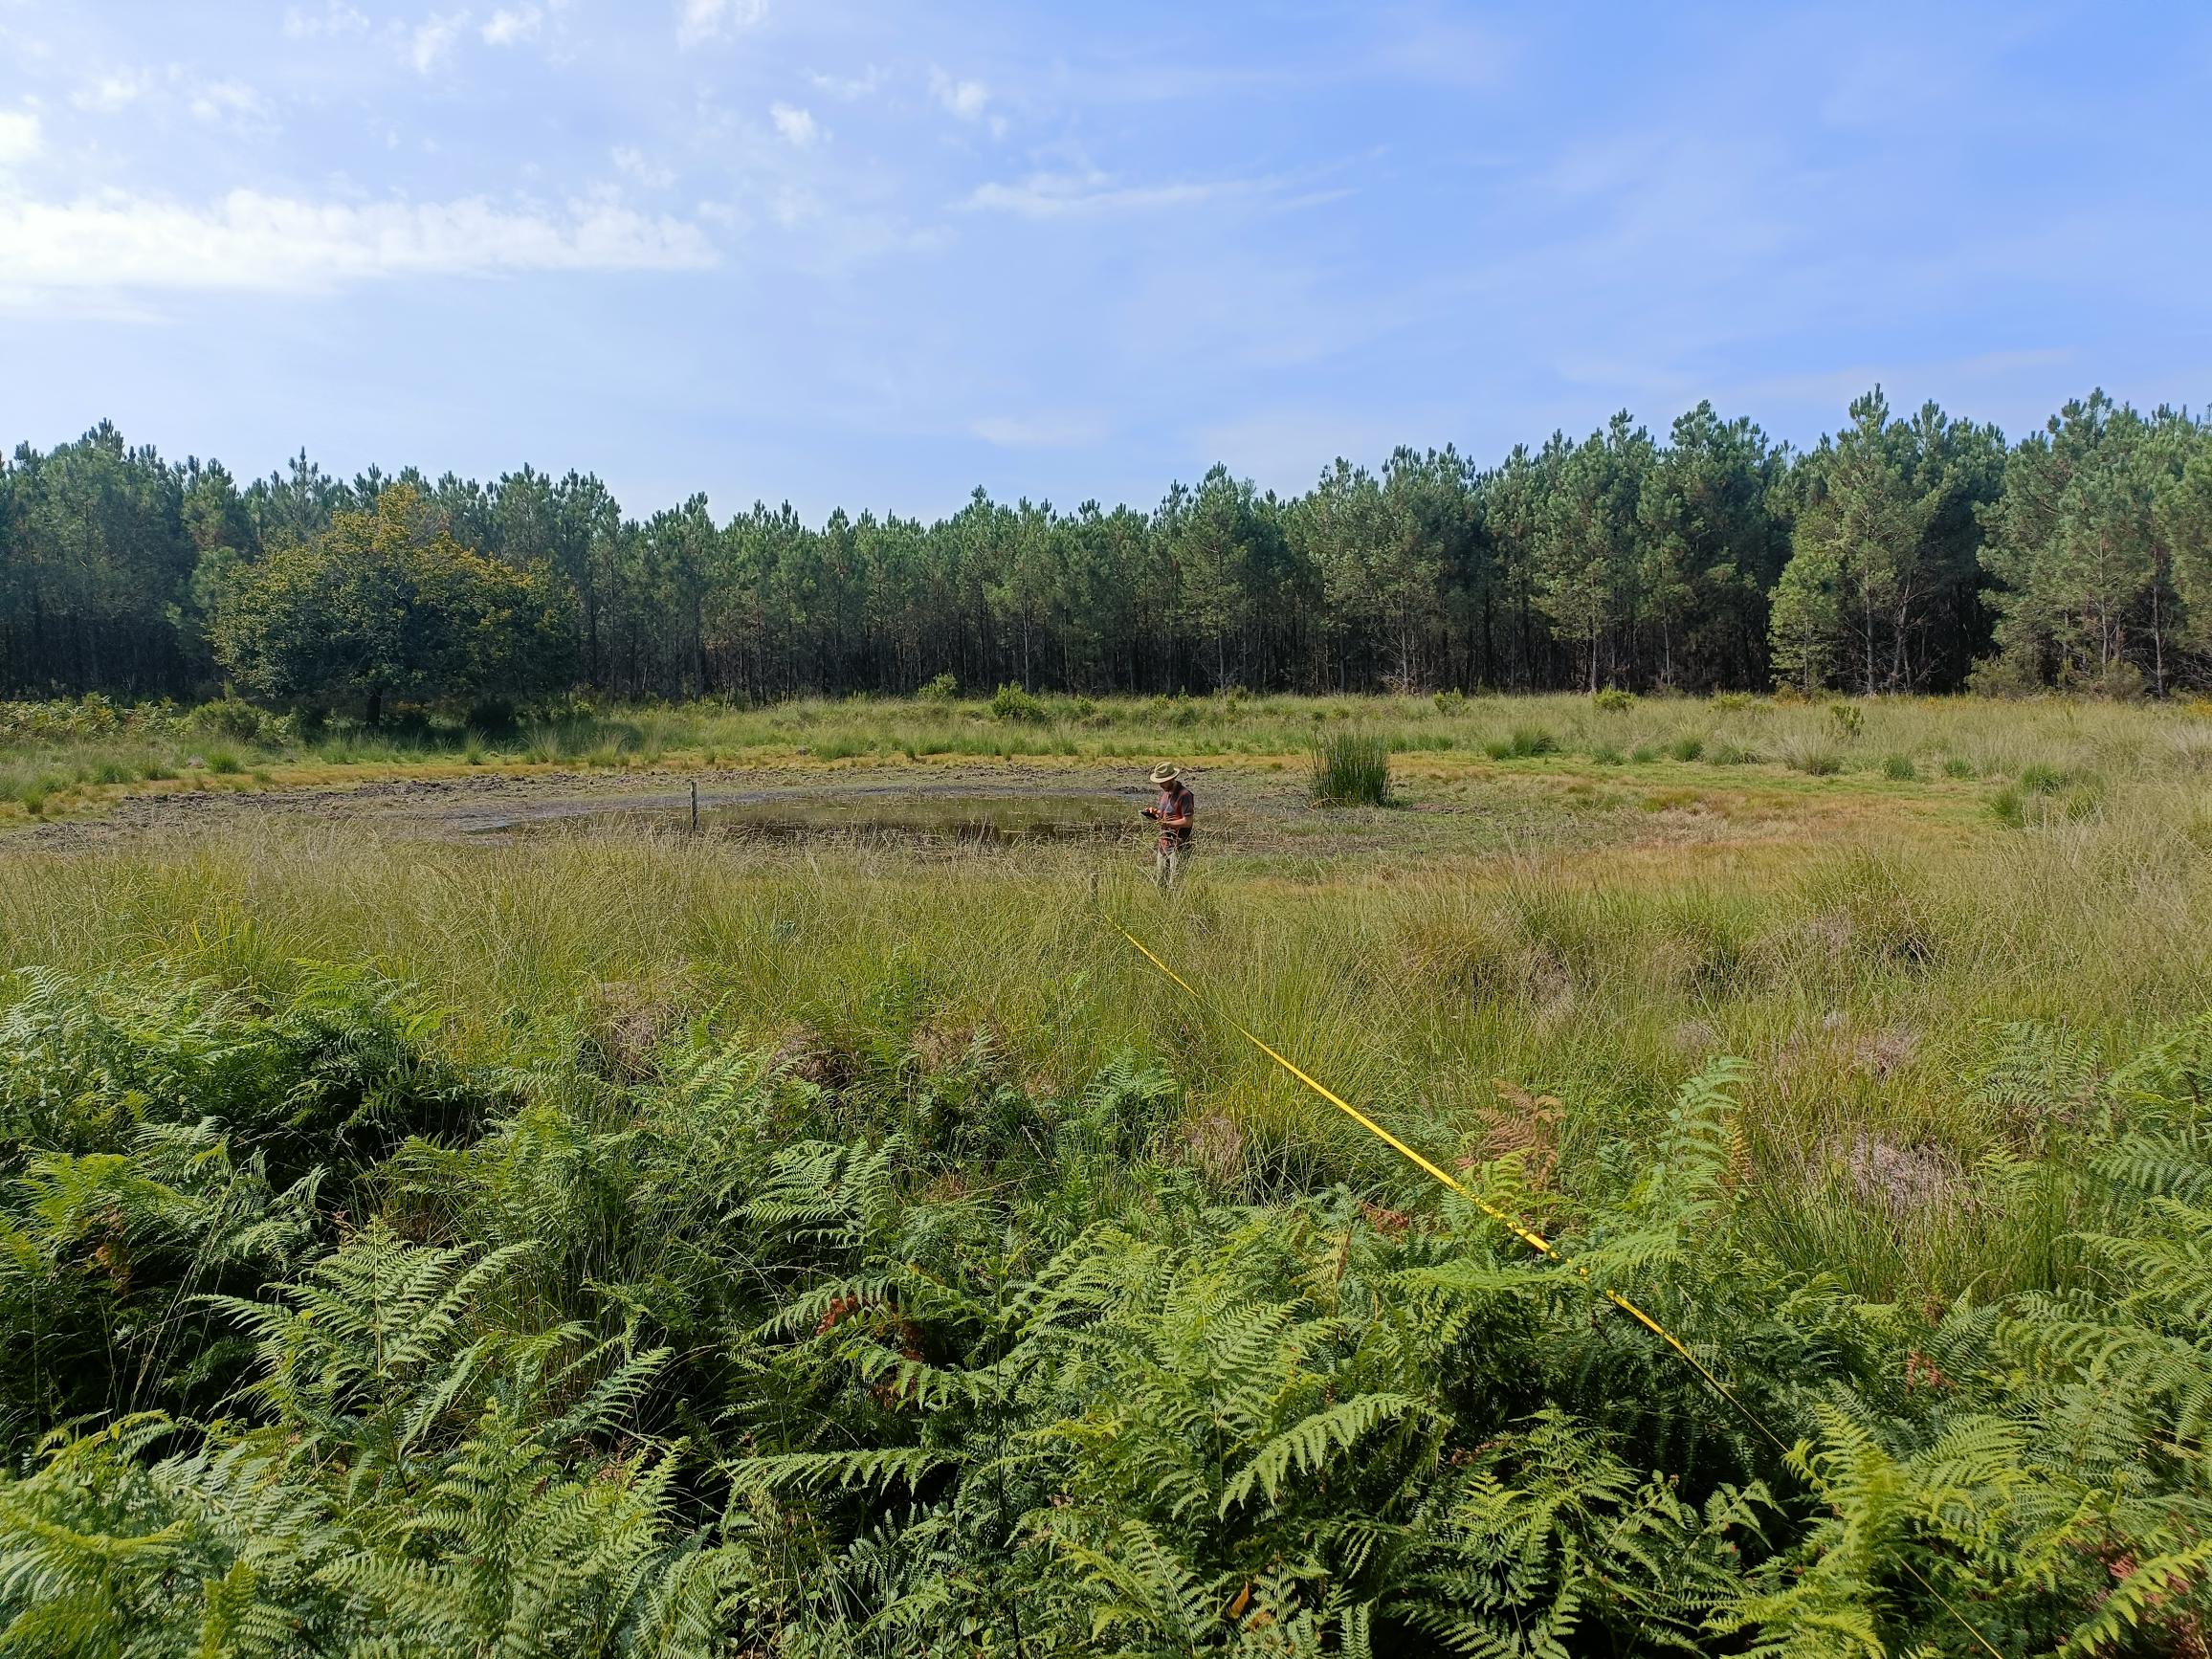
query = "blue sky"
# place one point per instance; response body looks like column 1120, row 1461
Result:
column 878, row 253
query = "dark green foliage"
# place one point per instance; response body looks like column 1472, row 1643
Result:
column 1889, row 557
column 714, row 1358
column 1352, row 768
column 1011, row 702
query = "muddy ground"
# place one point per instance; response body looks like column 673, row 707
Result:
column 1010, row 801
column 1254, row 809
column 1242, row 809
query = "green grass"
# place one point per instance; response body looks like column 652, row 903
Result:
column 862, row 1152
column 1352, row 768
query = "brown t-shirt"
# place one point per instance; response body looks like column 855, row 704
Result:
column 1175, row 802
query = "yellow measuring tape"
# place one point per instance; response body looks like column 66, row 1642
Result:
column 1533, row 1240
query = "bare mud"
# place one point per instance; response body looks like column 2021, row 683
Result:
column 1002, row 804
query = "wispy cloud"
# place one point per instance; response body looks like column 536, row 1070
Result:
column 702, row 21
column 794, row 127
column 429, row 44
column 511, row 25
column 113, row 90
column 848, row 88
column 335, row 18
column 968, row 99
column 253, row 241
column 1065, row 195
column 218, row 102
column 634, row 161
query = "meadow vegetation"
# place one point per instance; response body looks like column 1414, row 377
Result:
column 621, row 1242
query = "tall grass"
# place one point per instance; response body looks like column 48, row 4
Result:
column 1864, row 981
column 1352, row 768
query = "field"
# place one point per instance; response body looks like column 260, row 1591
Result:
column 454, row 1201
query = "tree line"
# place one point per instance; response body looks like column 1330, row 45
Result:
column 1903, row 553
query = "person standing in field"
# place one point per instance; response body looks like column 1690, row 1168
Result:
column 1174, row 811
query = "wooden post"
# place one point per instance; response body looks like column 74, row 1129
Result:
column 694, row 784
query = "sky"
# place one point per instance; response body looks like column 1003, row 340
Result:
column 877, row 254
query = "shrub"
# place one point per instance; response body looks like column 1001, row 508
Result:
column 1613, row 700
column 1352, row 768
column 1899, row 769
column 941, row 689
column 1849, row 718
column 1731, row 701
column 230, row 718
column 1011, row 702
column 1450, row 702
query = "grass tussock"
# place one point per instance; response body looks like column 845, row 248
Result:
column 1352, row 768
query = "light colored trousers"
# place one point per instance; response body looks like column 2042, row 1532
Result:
column 1168, row 862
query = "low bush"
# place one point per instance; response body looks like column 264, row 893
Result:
column 231, row 718
column 1012, row 703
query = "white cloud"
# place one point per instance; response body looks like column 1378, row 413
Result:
column 848, row 88
column 18, row 136
column 433, row 39
column 336, row 18
column 964, row 98
column 253, row 241
column 510, row 26
column 1062, row 195
column 630, row 159
column 117, row 89
column 699, row 20
column 795, row 127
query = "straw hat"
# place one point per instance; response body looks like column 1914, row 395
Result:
column 1167, row 774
